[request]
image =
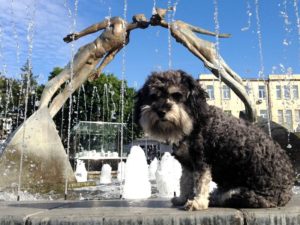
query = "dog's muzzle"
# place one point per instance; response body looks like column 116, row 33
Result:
column 162, row 108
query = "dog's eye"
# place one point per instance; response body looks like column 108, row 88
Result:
column 176, row 96
column 153, row 97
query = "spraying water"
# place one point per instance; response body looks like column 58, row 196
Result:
column 249, row 15
column 288, row 78
column 217, row 46
column 113, row 110
column 152, row 169
column 4, row 66
column 137, row 185
column 73, row 28
column 84, row 100
column 105, row 103
column 169, row 38
column 287, row 28
column 168, row 176
column 153, row 8
column 80, row 172
column 29, row 37
column 297, row 18
column 121, row 171
column 123, row 88
column 261, row 59
column 15, row 33
column 105, row 177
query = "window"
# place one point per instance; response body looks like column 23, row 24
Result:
column 287, row 92
column 297, row 115
column 226, row 92
column 280, row 116
column 289, row 119
column 261, row 91
column 263, row 114
column 295, row 92
column 278, row 91
column 298, row 128
column 248, row 88
column 210, row 92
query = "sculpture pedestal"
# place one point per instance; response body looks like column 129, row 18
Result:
column 45, row 165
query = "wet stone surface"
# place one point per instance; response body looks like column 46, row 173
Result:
column 155, row 211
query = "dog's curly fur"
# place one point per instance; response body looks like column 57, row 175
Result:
column 250, row 169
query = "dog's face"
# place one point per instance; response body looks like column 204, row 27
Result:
column 163, row 106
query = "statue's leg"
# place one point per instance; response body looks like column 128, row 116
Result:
column 81, row 57
column 198, row 51
column 74, row 84
column 233, row 74
column 107, row 59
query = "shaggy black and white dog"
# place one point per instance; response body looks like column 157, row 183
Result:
column 250, row 169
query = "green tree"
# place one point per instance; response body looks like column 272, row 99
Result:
column 28, row 89
column 99, row 100
column 15, row 92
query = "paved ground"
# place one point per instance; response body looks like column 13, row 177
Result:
column 158, row 212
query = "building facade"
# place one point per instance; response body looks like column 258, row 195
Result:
column 277, row 96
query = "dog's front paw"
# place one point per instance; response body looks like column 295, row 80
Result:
column 178, row 201
column 194, row 205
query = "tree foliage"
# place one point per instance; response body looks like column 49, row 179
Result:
column 99, row 100
column 19, row 96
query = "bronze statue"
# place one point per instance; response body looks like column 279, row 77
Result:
column 206, row 51
column 43, row 143
column 114, row 37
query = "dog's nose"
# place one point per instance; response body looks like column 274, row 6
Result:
column 161, row 114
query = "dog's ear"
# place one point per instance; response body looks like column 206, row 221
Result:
column 196, row 97
column 137, row 106
column 138, row 102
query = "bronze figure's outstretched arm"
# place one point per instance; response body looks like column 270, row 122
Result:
column 207, row 32
column 89, row 30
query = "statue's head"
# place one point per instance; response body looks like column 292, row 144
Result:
column 161, row 13
column 141, row 20
column 158, row 15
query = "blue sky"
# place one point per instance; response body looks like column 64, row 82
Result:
column 148, row 49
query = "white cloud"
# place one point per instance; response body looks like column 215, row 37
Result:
column 51, row 24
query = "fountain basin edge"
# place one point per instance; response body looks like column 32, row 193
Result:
column 151, row 211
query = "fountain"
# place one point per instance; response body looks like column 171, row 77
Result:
column 152, row 169
column 168, row 176
column 121, row 171
column 136, row 185
column 80, row 172
column 105, row 177
column 23, row 147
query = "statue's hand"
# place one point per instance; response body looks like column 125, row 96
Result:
column 71, row 37
column 224, row 35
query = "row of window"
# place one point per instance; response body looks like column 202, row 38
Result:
column 284, row 117
column 288, row 91
column 225, row 92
